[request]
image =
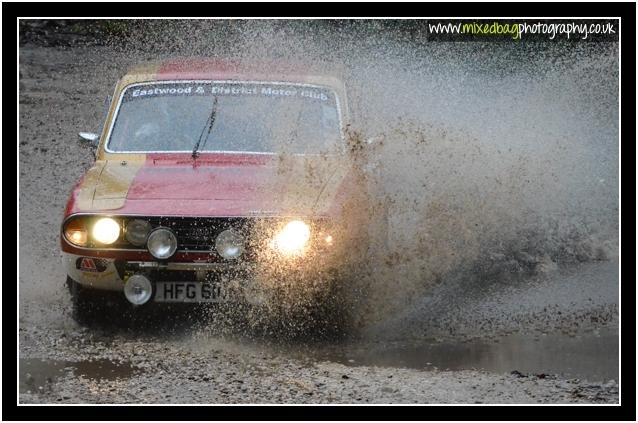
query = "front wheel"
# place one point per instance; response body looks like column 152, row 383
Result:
column 90, row 306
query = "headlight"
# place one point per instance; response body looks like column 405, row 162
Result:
column 162, row 243
column 292, row 239
column 229, row 244
column 75, row 232
column 137, row 231
column 106, row 230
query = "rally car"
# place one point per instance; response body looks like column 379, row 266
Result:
column 215, row 181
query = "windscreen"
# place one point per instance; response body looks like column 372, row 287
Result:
column 226, row 116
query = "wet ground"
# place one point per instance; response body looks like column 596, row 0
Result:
column 591, row 355
column 546, row 337
column 204, row 361
column 35, row 373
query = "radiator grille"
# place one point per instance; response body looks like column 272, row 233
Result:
column 198, row 234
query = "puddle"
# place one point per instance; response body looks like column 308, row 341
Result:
column 35, row 373
column 592, row 356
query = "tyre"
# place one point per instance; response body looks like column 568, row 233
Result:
column 90, row 306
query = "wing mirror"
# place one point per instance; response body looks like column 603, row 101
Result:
column 89, row 139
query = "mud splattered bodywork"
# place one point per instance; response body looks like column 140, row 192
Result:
column 251, row 200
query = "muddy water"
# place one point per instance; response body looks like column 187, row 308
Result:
column 38, row 374
column 592, row 356
column 562, row 323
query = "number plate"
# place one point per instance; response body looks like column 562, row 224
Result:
column 189, row 292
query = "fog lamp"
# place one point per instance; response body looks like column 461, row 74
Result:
column 162, row 243
column 229, row 244
column 138, row 289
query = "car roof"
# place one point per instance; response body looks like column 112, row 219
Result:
column 207, row 68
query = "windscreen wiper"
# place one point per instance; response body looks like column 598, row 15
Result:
column 209, row 122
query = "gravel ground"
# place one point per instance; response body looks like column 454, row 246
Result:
column 165, row 371
column 61, row 92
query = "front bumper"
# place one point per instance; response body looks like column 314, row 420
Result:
column 111, row 274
